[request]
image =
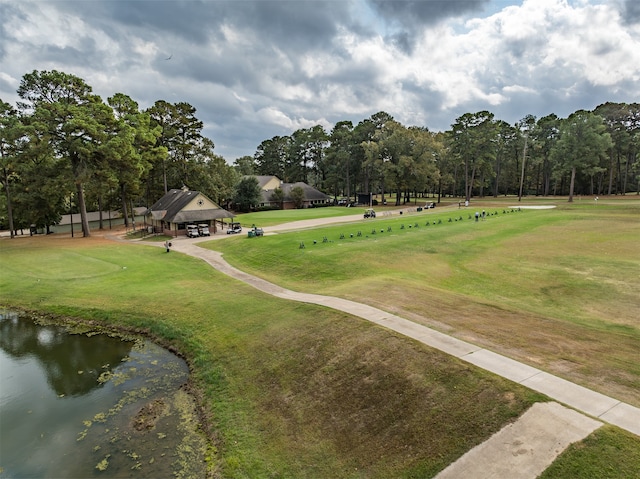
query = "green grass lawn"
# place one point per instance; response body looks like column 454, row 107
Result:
column 289, row 390
column 557, row 288
column 276, row 217
column 599, row 455
column 294, row 390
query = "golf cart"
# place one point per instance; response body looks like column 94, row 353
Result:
column 369, row 213
column 255, row 231
column 203, row 230
column 192, row 231
column 234, row 228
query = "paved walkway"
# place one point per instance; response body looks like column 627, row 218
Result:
column 525, row 448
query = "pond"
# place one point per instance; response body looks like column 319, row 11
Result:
column 81, row 404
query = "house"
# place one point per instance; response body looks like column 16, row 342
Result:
column 172, row 213
column 312, row 197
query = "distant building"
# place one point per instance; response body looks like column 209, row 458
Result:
column 172, row 213
column 96, row 219
column 312, row 197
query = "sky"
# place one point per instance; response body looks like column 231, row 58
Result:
column 254, row 69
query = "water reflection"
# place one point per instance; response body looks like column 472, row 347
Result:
column 90, row 405
column 72, row 363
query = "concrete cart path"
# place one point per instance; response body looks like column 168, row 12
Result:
column 525, row 448
column 585, row 400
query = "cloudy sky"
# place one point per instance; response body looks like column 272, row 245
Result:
column 254, row 69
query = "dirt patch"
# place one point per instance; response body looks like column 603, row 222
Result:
column 148, row 416
column 97, row 238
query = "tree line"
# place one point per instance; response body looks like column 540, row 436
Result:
column 63, row 149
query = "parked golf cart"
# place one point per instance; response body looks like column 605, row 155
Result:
column 369, row 213
column 203, row 230
column 234, row 228
column 192, row 231
column 255, row 231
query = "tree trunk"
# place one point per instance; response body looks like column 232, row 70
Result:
column 524, row 161
column 100, row 225
column 164, row 175
column 9, row 206
column 571, row 184
column 469, row 184
column 546, row 176
column 83, row 210
column 611, row 170
column 496, row 184
column 624, row 177
column 123, row 199
column 467, row 188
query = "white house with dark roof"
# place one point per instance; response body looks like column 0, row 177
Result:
column 312, row 197
column 178, row 208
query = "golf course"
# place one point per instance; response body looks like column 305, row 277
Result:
column 290, row 390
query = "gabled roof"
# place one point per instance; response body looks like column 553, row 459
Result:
column 171, row 208
column 310, row 193
column 263, row 180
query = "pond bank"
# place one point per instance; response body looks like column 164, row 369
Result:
column 109, row 397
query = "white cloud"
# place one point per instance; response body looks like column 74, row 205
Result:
column 250, row 76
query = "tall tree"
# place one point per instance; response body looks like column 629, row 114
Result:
column 525, row 126
column 623, row 124
column 11, row 135
column 506, row 138
column 188, row 139
column 211, row 175
column 271, row 157
column 583, row 141
column 425, row 149
column 132, row 148
column 245, row 165
column 72, row 119
column 306, row 151
column 472, row 139
column 369, row 153
column 162, row 115
column 445, row 164
column 544, row 136
column 338, row 168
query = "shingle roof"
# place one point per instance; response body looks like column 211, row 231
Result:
column 169, row 208
column 310, row 193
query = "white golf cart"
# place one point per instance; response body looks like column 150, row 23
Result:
column 234, row 228
column 192, row 231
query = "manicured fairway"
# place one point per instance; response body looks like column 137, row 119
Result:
column 558, row 289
